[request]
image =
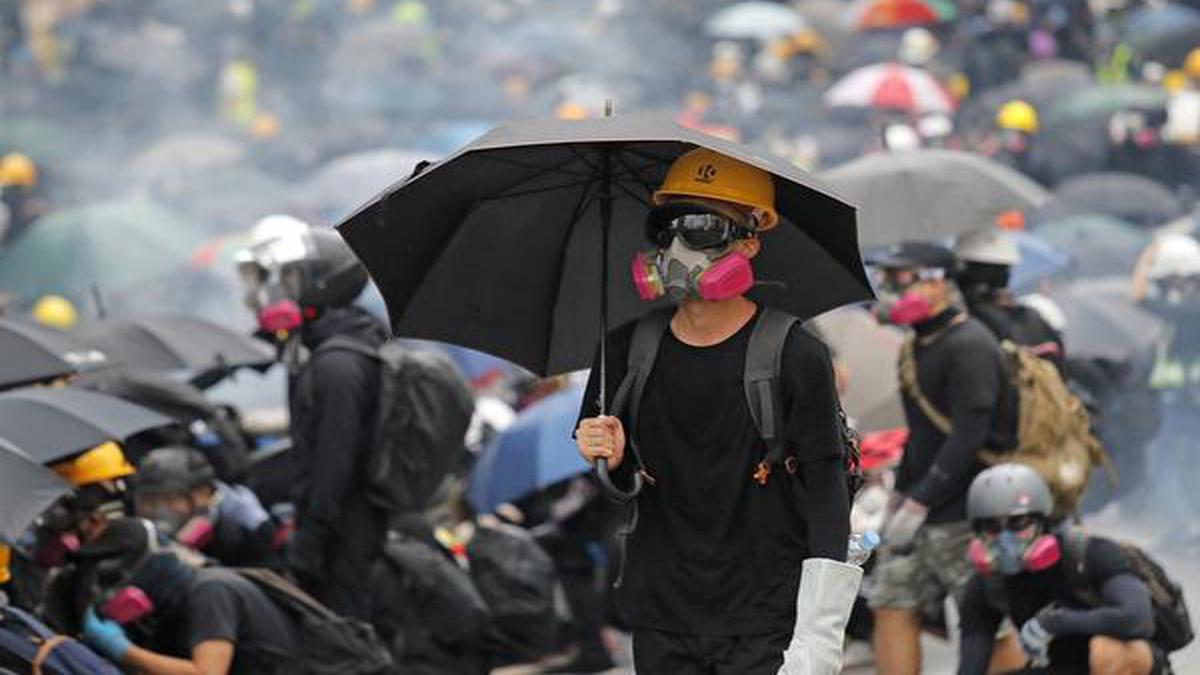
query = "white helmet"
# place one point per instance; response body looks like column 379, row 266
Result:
column 268, row 229
column 990, row 246
column 1175, row 255
column 918, row 46
column 1049, row 310
column 900, row 137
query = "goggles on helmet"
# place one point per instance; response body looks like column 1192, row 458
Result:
column 701, row 227
column 994, row 526
column 900, row 279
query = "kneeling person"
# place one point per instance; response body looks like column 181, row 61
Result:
column 1021, row 561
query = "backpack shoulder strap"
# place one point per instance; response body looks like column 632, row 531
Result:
column 347, row 344
column 643, row 351
column 764, row 364
column 907, row 367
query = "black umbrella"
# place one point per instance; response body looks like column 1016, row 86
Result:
column 26, row 489
column 1132, row 197
column 53, row 423
column 1104, row 321
column 30, row 353
column 508, row 245
column 177, row 343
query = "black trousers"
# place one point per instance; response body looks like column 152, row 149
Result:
column 656, row 652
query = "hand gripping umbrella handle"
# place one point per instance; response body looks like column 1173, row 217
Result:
column 614, row 492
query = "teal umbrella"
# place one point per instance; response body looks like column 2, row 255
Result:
column 110, row 245
column 1103, row 101
column 1099, row 245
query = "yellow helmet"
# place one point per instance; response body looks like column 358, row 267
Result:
column 101, row 463
column 959, row 85
column 1017, row 116
column 711, row 175
column 18, row 169
column 1174, row 81
column 1191, row 65
column 5, row 559
column 55, row 311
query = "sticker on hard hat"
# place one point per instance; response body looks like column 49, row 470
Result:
column 706, row 173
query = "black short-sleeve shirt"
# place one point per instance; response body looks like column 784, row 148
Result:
column 716, row 553
column 223, row 605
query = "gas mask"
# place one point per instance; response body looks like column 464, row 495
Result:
column 270, row 288
column 681, row 273
column 1010, row 549
column 898, row 302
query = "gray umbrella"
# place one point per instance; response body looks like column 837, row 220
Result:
column 52, row 423
column 1104, row 321
column 1129, row 196
column 508, row 246
column 930, row 194
column 868, row 351
column 26, row 489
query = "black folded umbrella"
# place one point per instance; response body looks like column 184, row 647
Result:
column 26, row 489
column 53, row 423
column 31, row 353
column 176, row 343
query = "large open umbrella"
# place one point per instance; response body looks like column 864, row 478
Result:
column 510, row 245
column 755, row 20
column 868, row 351
column 891, row 86
column 168, row 342
column 52, row 423
column 1102, row 101
column 31, row 353
column 1128, row 196
column 930, row 194
column 1163, row 33
column 112, row 245
column 890, row 14
column 1099, row 245
column 26, row 489
column 339, row 186
column 535, row 452
column 1104, row 321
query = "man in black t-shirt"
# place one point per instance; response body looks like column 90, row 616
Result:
column 956, row 371
column 712, row 576
column 1021, row 563
column 209, row 620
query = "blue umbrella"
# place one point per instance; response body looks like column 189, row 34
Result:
column 1040, row 260
column 535, row 452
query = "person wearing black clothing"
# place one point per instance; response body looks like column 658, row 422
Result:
column 711, row 579
column 1021, row 575
column 302, row 283
column 987, row 258
column 177, row 488
column 955, row 368
column 208, row 620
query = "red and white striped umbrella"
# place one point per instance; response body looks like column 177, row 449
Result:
column 891, row 86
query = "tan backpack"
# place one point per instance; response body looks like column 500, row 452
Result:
column 1054, row 433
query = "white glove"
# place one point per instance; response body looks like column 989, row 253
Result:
column 1035, row 640
column 827, row 592
column 902, row 526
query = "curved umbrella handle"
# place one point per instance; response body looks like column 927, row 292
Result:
column 614, row 492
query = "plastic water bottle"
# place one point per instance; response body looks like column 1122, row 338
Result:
column 860, row 547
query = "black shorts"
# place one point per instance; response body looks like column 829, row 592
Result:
column 675, row 654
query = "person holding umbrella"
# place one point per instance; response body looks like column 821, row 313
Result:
column 711, row 580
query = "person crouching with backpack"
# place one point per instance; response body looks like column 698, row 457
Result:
column 1079, row 602
column 185, row 620
column 714, row 565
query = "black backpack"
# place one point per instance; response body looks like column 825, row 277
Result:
column 425, row 406
column 330, row 644
column 761, row 379
column 1172, row 622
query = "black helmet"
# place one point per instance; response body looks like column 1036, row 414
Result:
column 328, row 274
column 173, row 469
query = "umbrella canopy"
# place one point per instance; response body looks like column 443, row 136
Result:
column 112, row 245
column 1164, row 33
column 891, row 86
column 337, row 188
column 1128, row 196
column 50, row 424
column 167, row 342
column 226, row 200
column 1100, row 245
column 535, row 452
column 930, row 194
column 500, row 247
column 869, row 352
column 756, row 20
column 885, row 14
column 26, row 489
column 1102, row 101
column 1103, row 321
column 30, row 353
column 1040, row 261
column 175, row 159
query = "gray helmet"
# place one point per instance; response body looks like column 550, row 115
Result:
column 328, row 275
column 1008, row 490
column 173, row 469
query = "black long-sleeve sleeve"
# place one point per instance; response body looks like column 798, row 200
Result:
column 978, row 621
column 1127, row 613
column 957, row 457
column 827, row 508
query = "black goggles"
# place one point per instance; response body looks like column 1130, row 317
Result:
column 994, row 526
column 700, row 231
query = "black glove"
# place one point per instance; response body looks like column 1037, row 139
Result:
column 306, row 556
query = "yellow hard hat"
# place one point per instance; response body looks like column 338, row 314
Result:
column 1017, row 116
column 17, row 169
column 5, row 559
column 711, row 175
column 101, row 463
column 1191, row 65
column 959, row 85
column 55, row 311
column 1174, row 81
